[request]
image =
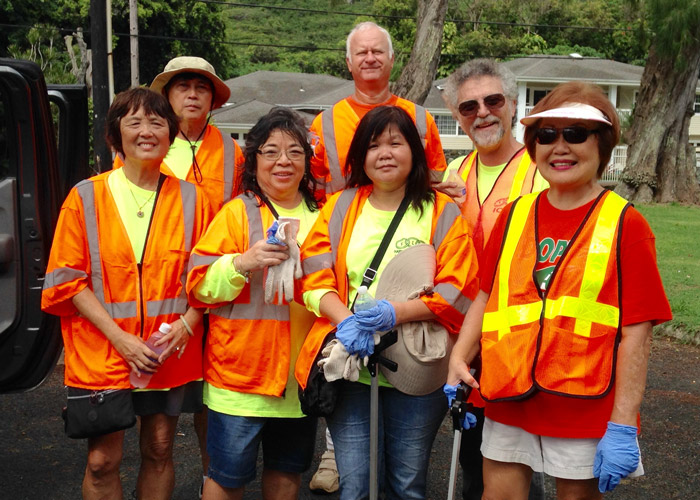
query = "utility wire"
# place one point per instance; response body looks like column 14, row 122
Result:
column 383, row 16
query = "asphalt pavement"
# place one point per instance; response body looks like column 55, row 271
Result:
column 37, row 461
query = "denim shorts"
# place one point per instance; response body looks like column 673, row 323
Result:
column 566, row 458
column 233, row 441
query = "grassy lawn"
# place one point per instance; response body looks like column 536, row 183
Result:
column 677, row 230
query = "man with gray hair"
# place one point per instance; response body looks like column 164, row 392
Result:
column 482, row 96
column 370, row 58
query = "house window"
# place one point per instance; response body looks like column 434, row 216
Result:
column 697, row 104
column 535, row 95
column 446, row 124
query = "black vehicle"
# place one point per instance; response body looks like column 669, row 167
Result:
column 43, row 153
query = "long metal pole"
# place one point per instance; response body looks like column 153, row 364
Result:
column 110, row 68
column 134, row 42
column 374, row 438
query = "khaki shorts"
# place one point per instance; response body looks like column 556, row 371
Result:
column 566, row 458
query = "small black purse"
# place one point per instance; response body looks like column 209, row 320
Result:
column 320, row 395
column 90, row 413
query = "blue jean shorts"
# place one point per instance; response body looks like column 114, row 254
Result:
column 233, row 441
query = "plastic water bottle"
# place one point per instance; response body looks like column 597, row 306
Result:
column 145, row 378
column 364, row 299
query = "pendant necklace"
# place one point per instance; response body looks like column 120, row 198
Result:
column 139, row 213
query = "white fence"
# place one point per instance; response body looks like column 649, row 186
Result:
column 616, row 165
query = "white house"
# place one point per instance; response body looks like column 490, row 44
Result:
column 254, row 94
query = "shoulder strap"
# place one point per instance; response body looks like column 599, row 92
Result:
column 371, row 271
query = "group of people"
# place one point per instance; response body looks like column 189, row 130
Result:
column 513, row 255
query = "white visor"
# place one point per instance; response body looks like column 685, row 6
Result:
column 571, row 110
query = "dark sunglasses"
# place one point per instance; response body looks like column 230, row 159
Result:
column 470, row 108
column 572, row 135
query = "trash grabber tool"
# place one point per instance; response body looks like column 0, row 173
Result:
column 458, row 411
column 374, row 360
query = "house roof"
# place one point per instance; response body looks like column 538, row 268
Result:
column 298, row 90
column 247, row 113
column 557, row 69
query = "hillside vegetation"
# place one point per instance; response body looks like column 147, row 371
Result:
column 309, row 35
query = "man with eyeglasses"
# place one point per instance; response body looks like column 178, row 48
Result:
column 370, row 58
column 482, row 96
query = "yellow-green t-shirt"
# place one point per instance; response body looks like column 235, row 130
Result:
column 179, row 157
column 132, row 200
column 225, row 284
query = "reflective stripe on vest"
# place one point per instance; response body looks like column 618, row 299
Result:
column 444, row 223
column 519, row 179
column 229, row 165
column 256, row 308
column 422, row 123
column 335, row 225
column 584, row 309
column 62, row 275
column 337, row 178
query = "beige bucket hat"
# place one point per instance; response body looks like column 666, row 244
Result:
column 422, row 351
column 189, row 64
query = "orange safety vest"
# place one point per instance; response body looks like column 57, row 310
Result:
column 337, row 128
column 91, row 248
column 220, row 159
column 516, row 179
column 324, row 255
column 564, row 340
column 248, row 345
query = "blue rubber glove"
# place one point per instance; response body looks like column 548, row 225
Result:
column 356, row 339
column 616, row 456
column 380, row 318
column 451, row 393
column 271, row 232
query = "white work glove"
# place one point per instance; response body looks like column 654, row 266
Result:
column 280, row 278
column 337, row 363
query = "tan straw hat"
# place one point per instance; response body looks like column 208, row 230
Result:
column 188, row 64
column 422, row 351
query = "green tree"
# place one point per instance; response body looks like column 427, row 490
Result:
column 160, row 23
column 660, row 160
column 418, row 74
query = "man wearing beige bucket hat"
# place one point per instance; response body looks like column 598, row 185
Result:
column 201, row 153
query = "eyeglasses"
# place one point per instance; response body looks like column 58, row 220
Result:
column 471, row 107
column 572, row 135
column 274, row 154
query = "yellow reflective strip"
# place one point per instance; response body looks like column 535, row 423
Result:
column 513, row 315
column 468, row 167
column 519, row 178
column 586, row 310
column 598, row 255
column 513, row 234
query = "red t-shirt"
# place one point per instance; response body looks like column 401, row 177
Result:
column 643, row 299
